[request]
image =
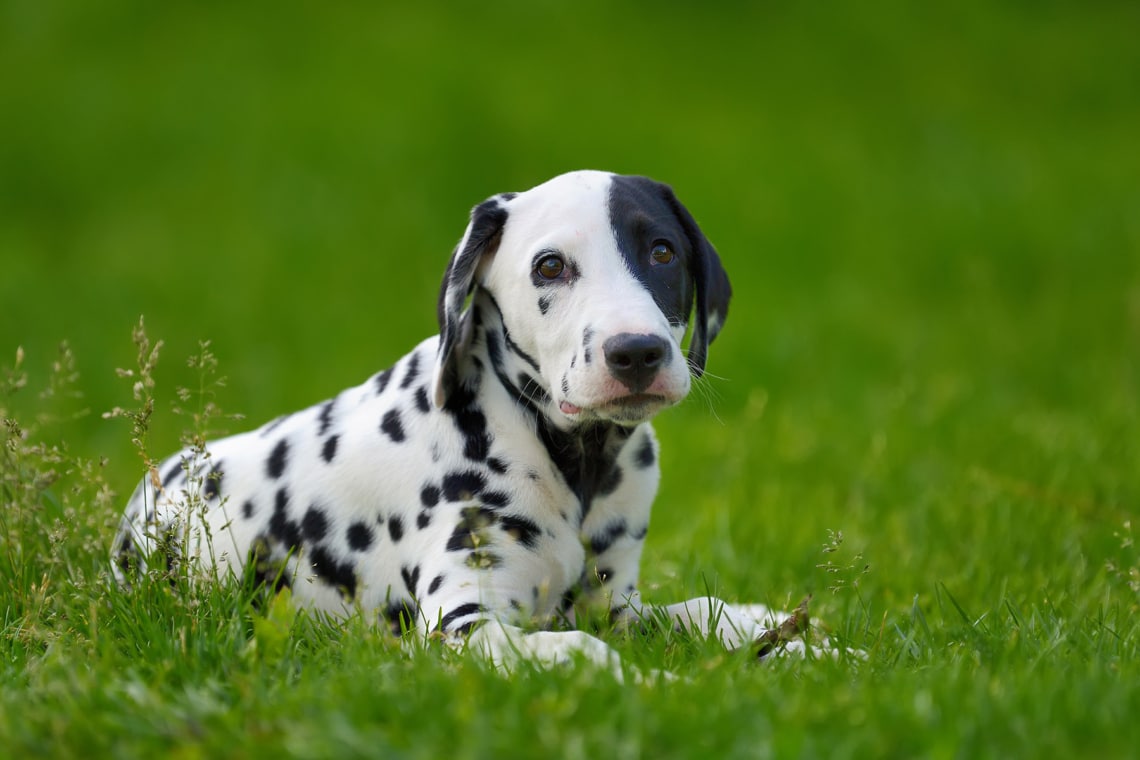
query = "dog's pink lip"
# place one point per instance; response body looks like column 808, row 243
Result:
column 636, row 398
column 633, row 399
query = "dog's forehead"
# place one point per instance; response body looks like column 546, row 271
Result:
column 590, row 206
column 570, row 207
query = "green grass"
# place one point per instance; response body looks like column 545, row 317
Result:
column 929, row 216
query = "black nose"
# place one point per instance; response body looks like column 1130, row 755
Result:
column 635, row 359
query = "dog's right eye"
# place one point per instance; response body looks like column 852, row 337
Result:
column 550, row 267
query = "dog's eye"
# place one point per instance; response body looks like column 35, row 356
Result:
column 662, row 254
column 550, row 267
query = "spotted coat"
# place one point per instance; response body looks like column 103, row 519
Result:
column 501, row 471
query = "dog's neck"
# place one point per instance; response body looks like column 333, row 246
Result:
column 585, row 454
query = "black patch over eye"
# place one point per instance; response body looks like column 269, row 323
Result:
column 662, row 253
column 550, row 267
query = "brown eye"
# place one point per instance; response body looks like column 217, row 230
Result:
column 662, row 254
column 550, row 268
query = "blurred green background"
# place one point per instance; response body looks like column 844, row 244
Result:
column 930, row 215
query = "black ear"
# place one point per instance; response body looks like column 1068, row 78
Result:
column 711, row 283
column 480, row 240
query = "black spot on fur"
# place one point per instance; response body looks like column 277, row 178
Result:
column 587, row 336
column 569, row 597
column 612, row 532
column 400, row 616
column 471, row 421
column 392, row 425
column 461, row 395
column 640, row 533
column 465, row 629
column 600, row 577
column 412, row 373
column 281, row 527
column 423, row 519
column 483, row 559
column 494, row 499
column 520, row 528
column 436, row 582
column 325, row 417
column 168, row 547
column 645, row 456
column 359, row 536
column 476, row 447
column 315, row 524
column 268, row 571
column 422, row 402
column 382, row 380
column 282, row 500
column 565, row 385
column 328, row 451
column 544, row 304
column 429, row 496
column 278, row 458
column 462, row 486
column 532, row 389
column 126, row 557
column 247, row 509
column 610, row 482
column 173, row 472
column 461, row 539
column 213, row 485
column 460, row 612
column 496, row 465
column 395, row 528
column 411, row 579
column 470, row 531
column 341, row 575
column 494, row 347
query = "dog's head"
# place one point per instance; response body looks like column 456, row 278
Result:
column 595, row 276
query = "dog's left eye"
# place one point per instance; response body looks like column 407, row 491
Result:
column 661, row 254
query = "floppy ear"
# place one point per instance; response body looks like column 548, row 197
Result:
column 711, row 283
column 481, row 239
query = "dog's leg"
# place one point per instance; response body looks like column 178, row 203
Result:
column 734, row 626
column 706, row 616
column 765, row 631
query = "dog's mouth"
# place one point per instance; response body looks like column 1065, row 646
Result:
column 634, row 407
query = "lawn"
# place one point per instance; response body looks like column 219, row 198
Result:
column 924, row 408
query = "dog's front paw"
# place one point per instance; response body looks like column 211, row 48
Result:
column 791, row 629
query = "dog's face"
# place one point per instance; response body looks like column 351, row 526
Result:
column 595, row 276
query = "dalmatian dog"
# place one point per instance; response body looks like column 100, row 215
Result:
column 498, row 479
